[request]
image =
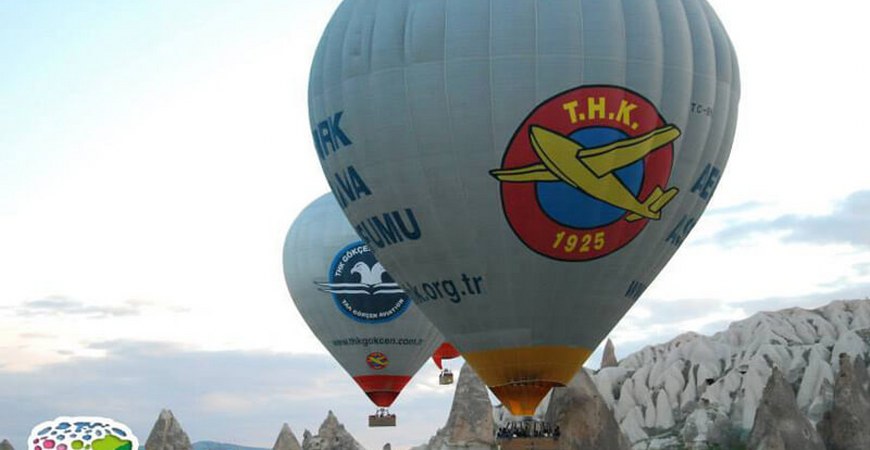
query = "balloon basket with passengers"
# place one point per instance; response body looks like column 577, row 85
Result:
column 445, row 377
column 382, row 418
column 524, row 170
column 528, row 434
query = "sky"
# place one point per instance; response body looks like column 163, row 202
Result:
column 153, row 155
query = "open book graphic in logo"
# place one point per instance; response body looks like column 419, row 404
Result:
column 82, row 433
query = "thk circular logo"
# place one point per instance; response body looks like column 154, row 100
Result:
column 586, row 171
column 377, row 360
column 361, row 287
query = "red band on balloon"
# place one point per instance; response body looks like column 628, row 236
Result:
column 382, row 389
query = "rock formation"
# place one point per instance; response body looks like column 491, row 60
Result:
column 708, row 388
column 861, row 374
column 700, row 392
column 5, row 445
column 779, row 424
column 707, row 427
column 167, row 434
column 470, row 424
column 286, row 440
column 608, row 358
column 583, row 416
column 331, row 436
column 847, row 424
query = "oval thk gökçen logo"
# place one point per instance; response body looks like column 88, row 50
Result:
column 586, row 171
column 361, row 287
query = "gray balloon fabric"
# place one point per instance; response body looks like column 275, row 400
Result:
column 352, row 305
column 524, row 168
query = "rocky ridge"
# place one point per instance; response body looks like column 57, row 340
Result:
column 608, row 357
column 286, row 440
column 699, row 391
column 779, row 425
column 167, row 434
column 5, row 445
column 584, row 419
column 470, row 425
column 331, row 436
column 845, row 426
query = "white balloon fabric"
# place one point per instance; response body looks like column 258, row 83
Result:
column 352, row 305
column 524, row 168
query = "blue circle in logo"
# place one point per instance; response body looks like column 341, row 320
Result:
column 361, row 287
column 574, row 208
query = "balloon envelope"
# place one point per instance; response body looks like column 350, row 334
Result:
column 353, row 307
column 524, row 168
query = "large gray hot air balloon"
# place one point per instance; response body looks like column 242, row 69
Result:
column 524, row 168
column 353, row 306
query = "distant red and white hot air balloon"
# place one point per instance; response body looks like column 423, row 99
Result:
column 445, row 351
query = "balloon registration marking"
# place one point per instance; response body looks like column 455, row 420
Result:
column 361, row 287
column 586, row 171
column 377, row 360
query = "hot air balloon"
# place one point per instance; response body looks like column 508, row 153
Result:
column 445, row 351
column 354, row 307
column 524, row 168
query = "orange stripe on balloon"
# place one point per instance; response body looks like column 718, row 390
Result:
column 521, row 377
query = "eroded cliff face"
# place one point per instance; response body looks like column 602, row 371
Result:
column 698, row 390
column 583, row 417
column 331, row 436
column 847, row 424
column 779, row 424
column 470, row 424
column 167, row 434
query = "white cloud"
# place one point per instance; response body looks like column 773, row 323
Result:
column 229, row 403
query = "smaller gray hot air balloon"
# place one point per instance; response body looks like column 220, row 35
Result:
column 354, row 307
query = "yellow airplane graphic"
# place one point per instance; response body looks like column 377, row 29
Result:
column 591, row 169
